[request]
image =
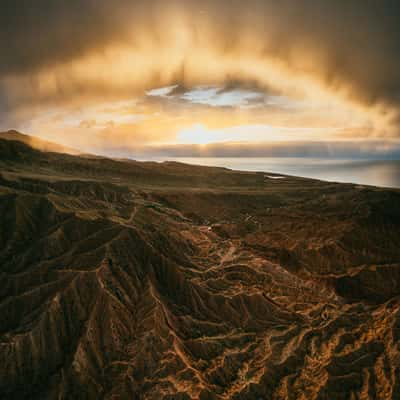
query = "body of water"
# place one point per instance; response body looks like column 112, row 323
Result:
column 384, row 173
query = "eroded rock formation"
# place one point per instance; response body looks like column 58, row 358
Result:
column 126, row 280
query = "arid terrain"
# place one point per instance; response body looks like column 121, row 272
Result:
column 159, row 281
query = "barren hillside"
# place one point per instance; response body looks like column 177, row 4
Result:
column 128, row 280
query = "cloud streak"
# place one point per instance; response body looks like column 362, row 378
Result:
column 347, row 150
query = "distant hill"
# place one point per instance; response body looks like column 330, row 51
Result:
column 37, row 143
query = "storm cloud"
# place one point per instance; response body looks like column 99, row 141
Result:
column 59, row 50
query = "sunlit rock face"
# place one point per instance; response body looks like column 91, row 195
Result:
column 128, row 280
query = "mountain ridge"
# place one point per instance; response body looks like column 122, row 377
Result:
column 37, row 143
column 170, row 281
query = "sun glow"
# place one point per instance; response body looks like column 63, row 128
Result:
column 187, row 88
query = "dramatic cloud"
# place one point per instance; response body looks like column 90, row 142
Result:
column 314, row 63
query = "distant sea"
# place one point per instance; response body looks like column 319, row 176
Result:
column 384, row 173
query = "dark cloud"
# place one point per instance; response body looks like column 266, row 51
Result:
column 377, row 150
column 352, row 45
column 34, row 34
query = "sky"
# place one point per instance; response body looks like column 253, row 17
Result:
column 188, row 77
